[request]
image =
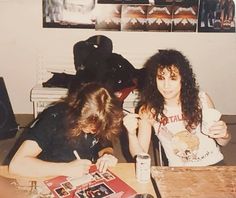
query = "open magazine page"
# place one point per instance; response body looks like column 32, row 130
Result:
column 94, row 184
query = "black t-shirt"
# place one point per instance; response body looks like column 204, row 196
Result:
column 49, row 131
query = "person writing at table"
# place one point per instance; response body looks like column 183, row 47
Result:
column 172, row 105
column 82, row 123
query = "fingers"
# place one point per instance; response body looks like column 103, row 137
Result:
column 86, row 162
column 130, row 121
column 106, row 161
column 102, row 165
column 132, row 116
column 218, row 130
column 77, row 167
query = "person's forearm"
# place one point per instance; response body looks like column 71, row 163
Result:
column 33, row 167
column 107, row 150
column 134, row 145
column 225, row 140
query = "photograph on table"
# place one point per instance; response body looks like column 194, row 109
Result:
column 216, row 16
column 69, row 14
column 133, row 17
column 68, row 186
column 108, row 17
column 61, row 192
column 159, row 18
column 185, row 16
column 99, row 190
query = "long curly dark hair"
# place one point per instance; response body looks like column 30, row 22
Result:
column 153, row 101
column 93, row 104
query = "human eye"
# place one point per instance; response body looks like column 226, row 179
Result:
column 174, row 77
column 160, row 77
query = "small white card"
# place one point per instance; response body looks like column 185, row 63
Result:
column 209, row 116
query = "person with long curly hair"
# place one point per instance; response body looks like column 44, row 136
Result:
column 182, row 116
column 71, row 134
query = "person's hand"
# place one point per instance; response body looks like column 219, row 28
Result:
column 130, row 121
column 78, row 168
column 107, row 160
column 218, row 130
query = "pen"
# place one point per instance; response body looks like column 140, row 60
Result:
column 125, row 110
column 76, row 154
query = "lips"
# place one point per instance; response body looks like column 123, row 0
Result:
column 167, row 92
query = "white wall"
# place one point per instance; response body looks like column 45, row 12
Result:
column 25, row 46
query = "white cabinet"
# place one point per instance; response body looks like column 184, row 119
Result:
column 43, row 96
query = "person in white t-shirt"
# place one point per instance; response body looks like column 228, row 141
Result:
column 173, row 106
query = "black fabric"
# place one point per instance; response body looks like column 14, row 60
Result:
column 59, row 80
column 49, row 132
column 119, row 73
column 98, row 46
column 8, row 125
column 95, row 62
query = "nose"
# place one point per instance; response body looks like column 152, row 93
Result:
column 93, row 129
column 166, row 83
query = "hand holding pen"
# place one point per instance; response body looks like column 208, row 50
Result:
column 130, row 121
column 78, row 167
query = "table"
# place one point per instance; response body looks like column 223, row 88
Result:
column 126, row 171
column 186, row 182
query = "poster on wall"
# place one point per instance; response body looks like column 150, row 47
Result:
column 173, row 16
column 108, row 17
column 141, row 15
column 125, row 1
column 133, row 17
column 216, row 16
column 159, row 18
column 185, row 16
column 69, row 13
column 110, row 1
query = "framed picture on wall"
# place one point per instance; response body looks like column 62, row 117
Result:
column 69, row 14
column 216, row 16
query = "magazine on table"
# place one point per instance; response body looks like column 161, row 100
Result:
column 93, row 184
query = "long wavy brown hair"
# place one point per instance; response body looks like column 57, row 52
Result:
column 93, row 104
column 153, row 101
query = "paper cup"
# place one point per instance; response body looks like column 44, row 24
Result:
column 209, row 117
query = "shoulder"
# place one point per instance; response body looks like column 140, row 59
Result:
column 51, row 115
column 54, row 110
